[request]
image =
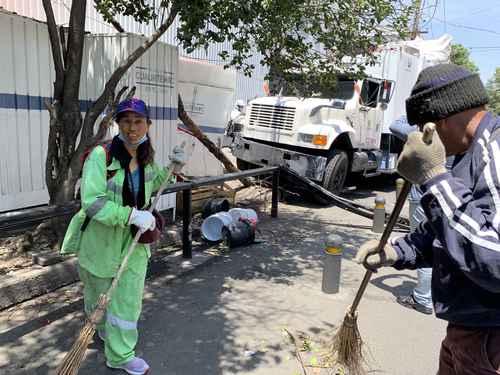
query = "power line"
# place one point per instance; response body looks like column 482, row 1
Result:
column 444, row 15
column 429, row 21
column 467, row 27
column 468, row 14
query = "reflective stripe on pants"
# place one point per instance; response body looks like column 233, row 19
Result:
column 122, row 313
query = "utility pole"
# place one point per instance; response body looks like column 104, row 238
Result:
column 416, row 20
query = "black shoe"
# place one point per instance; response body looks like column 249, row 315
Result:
column 409, row 301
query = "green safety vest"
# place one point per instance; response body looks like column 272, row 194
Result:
column 106, row 239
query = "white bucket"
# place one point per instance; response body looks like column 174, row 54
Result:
column 243, row 213
column 212, row 225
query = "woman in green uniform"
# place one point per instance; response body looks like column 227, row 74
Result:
column 100, row 233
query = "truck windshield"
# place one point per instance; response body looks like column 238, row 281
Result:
column 344, row 90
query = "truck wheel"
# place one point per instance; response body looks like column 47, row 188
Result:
column 336, row 172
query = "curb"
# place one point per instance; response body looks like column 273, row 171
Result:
column 21, row 286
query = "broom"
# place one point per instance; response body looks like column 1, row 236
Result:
column 347, row 345
column 74, row 358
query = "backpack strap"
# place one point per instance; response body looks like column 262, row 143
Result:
column 109, row 175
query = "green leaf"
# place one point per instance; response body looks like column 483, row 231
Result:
column 313, row 361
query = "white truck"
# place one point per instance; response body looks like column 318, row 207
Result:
column 325, row 139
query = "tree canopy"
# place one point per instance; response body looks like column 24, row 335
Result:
column 305, row 41
column 493, row 88
column 461, row 56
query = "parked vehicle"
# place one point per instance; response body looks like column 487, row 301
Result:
column 328, row 138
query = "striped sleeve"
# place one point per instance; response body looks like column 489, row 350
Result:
column 415, row 249
column 466, row 223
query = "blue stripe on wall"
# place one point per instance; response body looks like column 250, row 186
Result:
column 37, row 103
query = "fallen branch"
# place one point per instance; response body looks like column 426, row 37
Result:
column 297, row 350
column 107, row 119
column 216, row 151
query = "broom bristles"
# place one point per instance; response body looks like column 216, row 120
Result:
column 74, row 358
column 347, row 346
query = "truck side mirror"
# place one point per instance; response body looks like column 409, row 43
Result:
column 386, row 93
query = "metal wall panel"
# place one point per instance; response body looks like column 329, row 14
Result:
column 246, row 88
column 27, row 71
column 27, row 78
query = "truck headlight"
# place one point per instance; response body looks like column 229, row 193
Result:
column 306, row 138
column 319, row 140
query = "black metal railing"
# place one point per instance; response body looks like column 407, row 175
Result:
column 21, row 220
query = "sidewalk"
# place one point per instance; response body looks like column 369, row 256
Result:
column 227, row 317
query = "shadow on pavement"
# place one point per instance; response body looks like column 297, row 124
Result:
column 192, row 325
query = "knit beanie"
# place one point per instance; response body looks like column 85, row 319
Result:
column 442, row 91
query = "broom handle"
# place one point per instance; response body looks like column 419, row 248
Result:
column 383, row 241
column 427, row 138
column 131, row 249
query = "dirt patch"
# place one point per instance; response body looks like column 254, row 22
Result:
column 10, row 257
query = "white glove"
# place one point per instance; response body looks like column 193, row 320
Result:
column 144, row 220
column 178, row 156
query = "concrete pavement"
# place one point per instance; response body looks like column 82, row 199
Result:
column 227, row 317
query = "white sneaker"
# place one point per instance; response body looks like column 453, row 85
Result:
column 136, row 366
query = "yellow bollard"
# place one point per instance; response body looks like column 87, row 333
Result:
column 379, row 215
column 399, row 185
column 332, row 265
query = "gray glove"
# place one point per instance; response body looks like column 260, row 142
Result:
column 178, row 159
column 372, row 260
column 420, row 161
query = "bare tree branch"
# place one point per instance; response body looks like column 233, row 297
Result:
column 55, row 44
column 112, row 20
column 106, row 121
column 76, row 37
column 117, row 26
column 197, row 133
column 52, row 154
column 51, row 108
column 99, row 105
column 293, row 340
column 64, row 46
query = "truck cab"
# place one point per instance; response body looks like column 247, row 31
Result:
column 345, row 131
column 320, row 138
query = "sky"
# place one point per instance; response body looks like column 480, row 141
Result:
column 472, row 23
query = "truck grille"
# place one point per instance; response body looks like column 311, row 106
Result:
column 270, row 116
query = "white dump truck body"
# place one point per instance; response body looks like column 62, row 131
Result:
column 306, row 133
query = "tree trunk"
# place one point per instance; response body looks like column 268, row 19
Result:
column 217, row 152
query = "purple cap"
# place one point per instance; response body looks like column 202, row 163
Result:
column 133, row 105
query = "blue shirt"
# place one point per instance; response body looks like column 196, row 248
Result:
column 133, row 183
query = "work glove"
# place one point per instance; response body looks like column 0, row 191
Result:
column 419, row 161
column 368, row 256
column 144, row 220
column 178, row 158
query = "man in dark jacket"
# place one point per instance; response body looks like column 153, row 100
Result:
column 460, row 239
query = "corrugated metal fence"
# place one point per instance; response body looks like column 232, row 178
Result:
column 246, row 87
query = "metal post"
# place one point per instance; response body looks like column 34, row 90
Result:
column 332, row 265
column 379, row 215
column 274, row 198
column 399, row 185
column 186, row 223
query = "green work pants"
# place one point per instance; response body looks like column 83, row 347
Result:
column 122, row 314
